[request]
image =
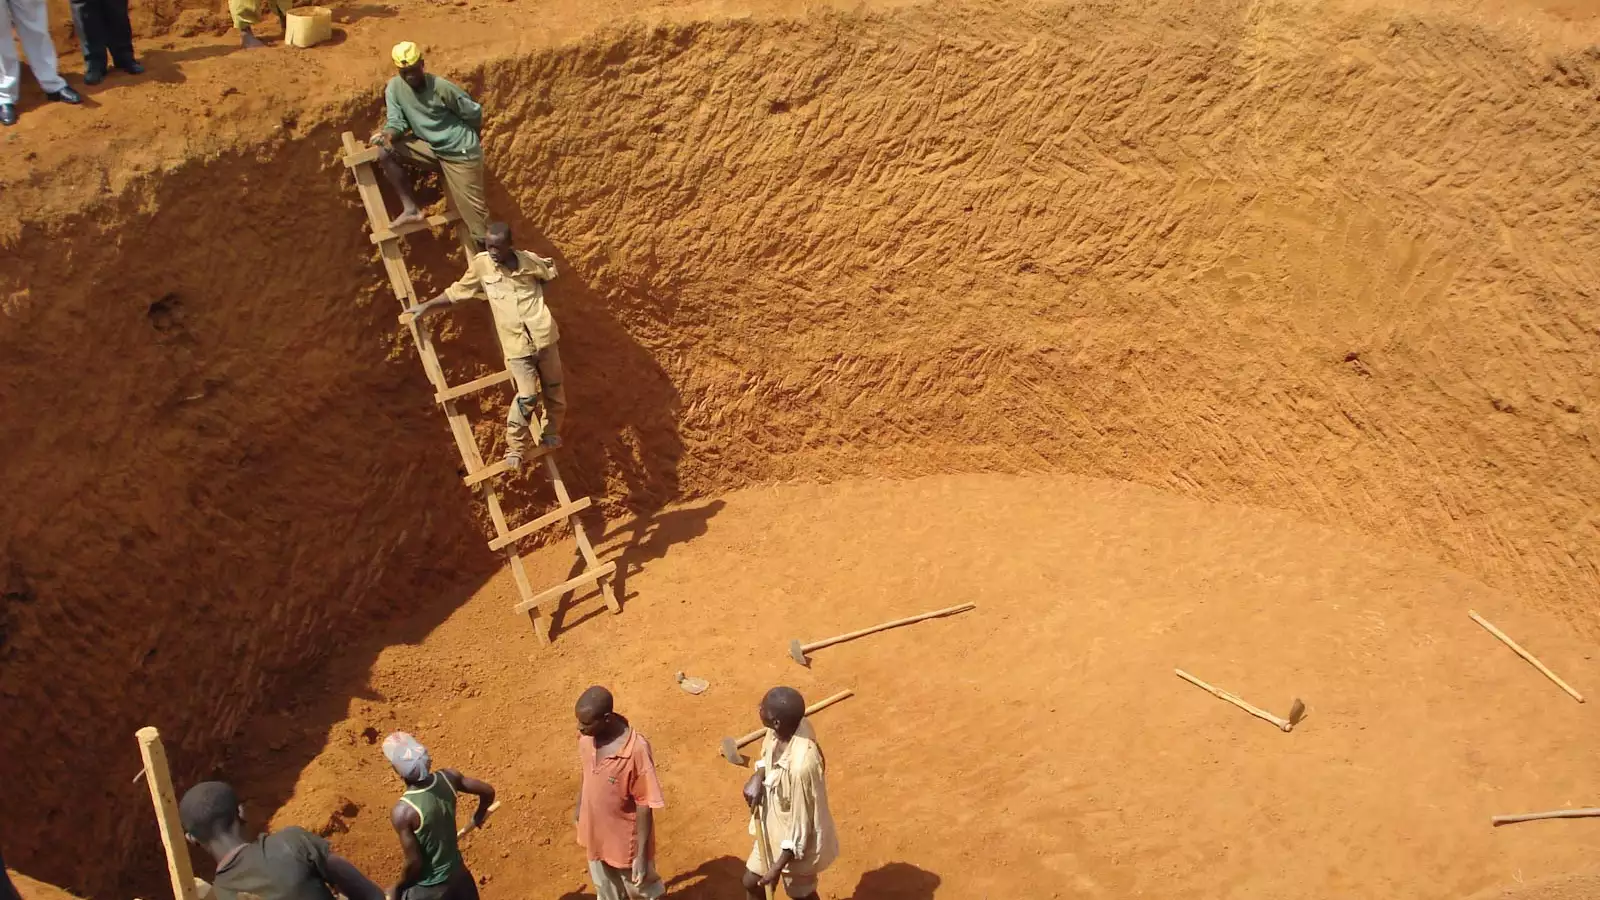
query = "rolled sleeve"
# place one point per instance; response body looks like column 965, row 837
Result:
column 646, row 789
column 542, row 269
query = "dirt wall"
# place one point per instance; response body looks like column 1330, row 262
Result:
column 1341, row 264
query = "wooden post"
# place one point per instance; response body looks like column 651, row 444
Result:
column 159, row 777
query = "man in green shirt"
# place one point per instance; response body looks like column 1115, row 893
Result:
column 425, row 820
column 432, row 124
column 292, row 864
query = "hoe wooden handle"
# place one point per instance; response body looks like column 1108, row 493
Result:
column 1589, row 813
column 811, row 710
column 1283, row 724
column 472, row 826
column 839, row 639
column 1526, row 655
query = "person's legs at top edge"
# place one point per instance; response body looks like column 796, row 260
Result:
column 394, row 161
column 464, row 182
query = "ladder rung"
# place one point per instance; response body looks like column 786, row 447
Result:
column 438, row 221
column 594, row 574
column 461, row 390
column 500, row 468
column 362, row 157
column 522, row 531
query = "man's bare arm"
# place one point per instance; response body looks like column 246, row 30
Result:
column 406, row 822
column 349, row 881
column 483, row 790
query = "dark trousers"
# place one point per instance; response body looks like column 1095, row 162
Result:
column 103, row 29
column 7, row 891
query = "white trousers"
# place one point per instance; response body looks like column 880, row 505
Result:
column 32, row 22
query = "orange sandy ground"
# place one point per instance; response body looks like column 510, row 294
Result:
column 1040, row 745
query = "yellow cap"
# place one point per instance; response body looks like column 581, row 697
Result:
column 406, row 54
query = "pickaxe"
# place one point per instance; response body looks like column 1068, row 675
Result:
column 799, row 650
column 1297, row 710
column 731, row 746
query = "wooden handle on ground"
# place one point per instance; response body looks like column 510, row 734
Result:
column 1283, row 724
column 1588, row 813
column 811, row 710
column 1525, row 655
column 839, row 639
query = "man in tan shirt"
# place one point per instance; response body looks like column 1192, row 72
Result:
column 788, row 790
column 513, row 282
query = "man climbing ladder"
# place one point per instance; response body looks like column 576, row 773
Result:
column 517, row 299
column 513, row 282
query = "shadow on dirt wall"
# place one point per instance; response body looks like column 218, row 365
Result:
column 254, row 496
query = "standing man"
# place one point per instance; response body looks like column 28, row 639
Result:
column 618, row 794
column 292, row 864
column 789, row 793
column 247, row 15
column 432, row 124
column 513, row 281
column 103, row 29
column 425, row 820
column 32, row 22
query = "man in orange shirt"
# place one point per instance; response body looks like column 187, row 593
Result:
column 617, row 796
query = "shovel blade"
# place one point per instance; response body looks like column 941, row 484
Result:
column 1296, row 712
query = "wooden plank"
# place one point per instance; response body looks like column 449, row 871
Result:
column 570, row 584
column 472, row 387
column 578, row 532
column 428, row 224
column 549, row 518
column 353, row 158
column 541, row 625
column 500, row 468
column 165, row 800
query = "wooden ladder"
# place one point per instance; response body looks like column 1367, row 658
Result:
column 360, row 159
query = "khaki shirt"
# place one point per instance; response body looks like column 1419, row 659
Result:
column 798, row 817
column 515, row 298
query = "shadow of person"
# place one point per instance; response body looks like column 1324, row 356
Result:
column 651, row 535
column 717, row 879
column 897, row 881
column 162, row 66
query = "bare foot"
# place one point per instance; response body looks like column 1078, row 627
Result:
column 408, row 218
column 250, row 41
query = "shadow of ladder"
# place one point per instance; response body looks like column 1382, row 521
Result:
column 360, row 159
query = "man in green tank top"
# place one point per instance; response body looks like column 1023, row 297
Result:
column 425, row 820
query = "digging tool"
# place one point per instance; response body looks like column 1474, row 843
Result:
column 1297, row 710
column 473, row 826
column 1525, row 655
column 730, row 746
column 761, row 841
column 799, row 650
column 692, row 685
column 1588, row 813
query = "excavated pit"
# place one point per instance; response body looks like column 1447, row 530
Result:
column 1338, row 263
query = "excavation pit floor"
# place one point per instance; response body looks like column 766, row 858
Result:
column 1040, row 744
